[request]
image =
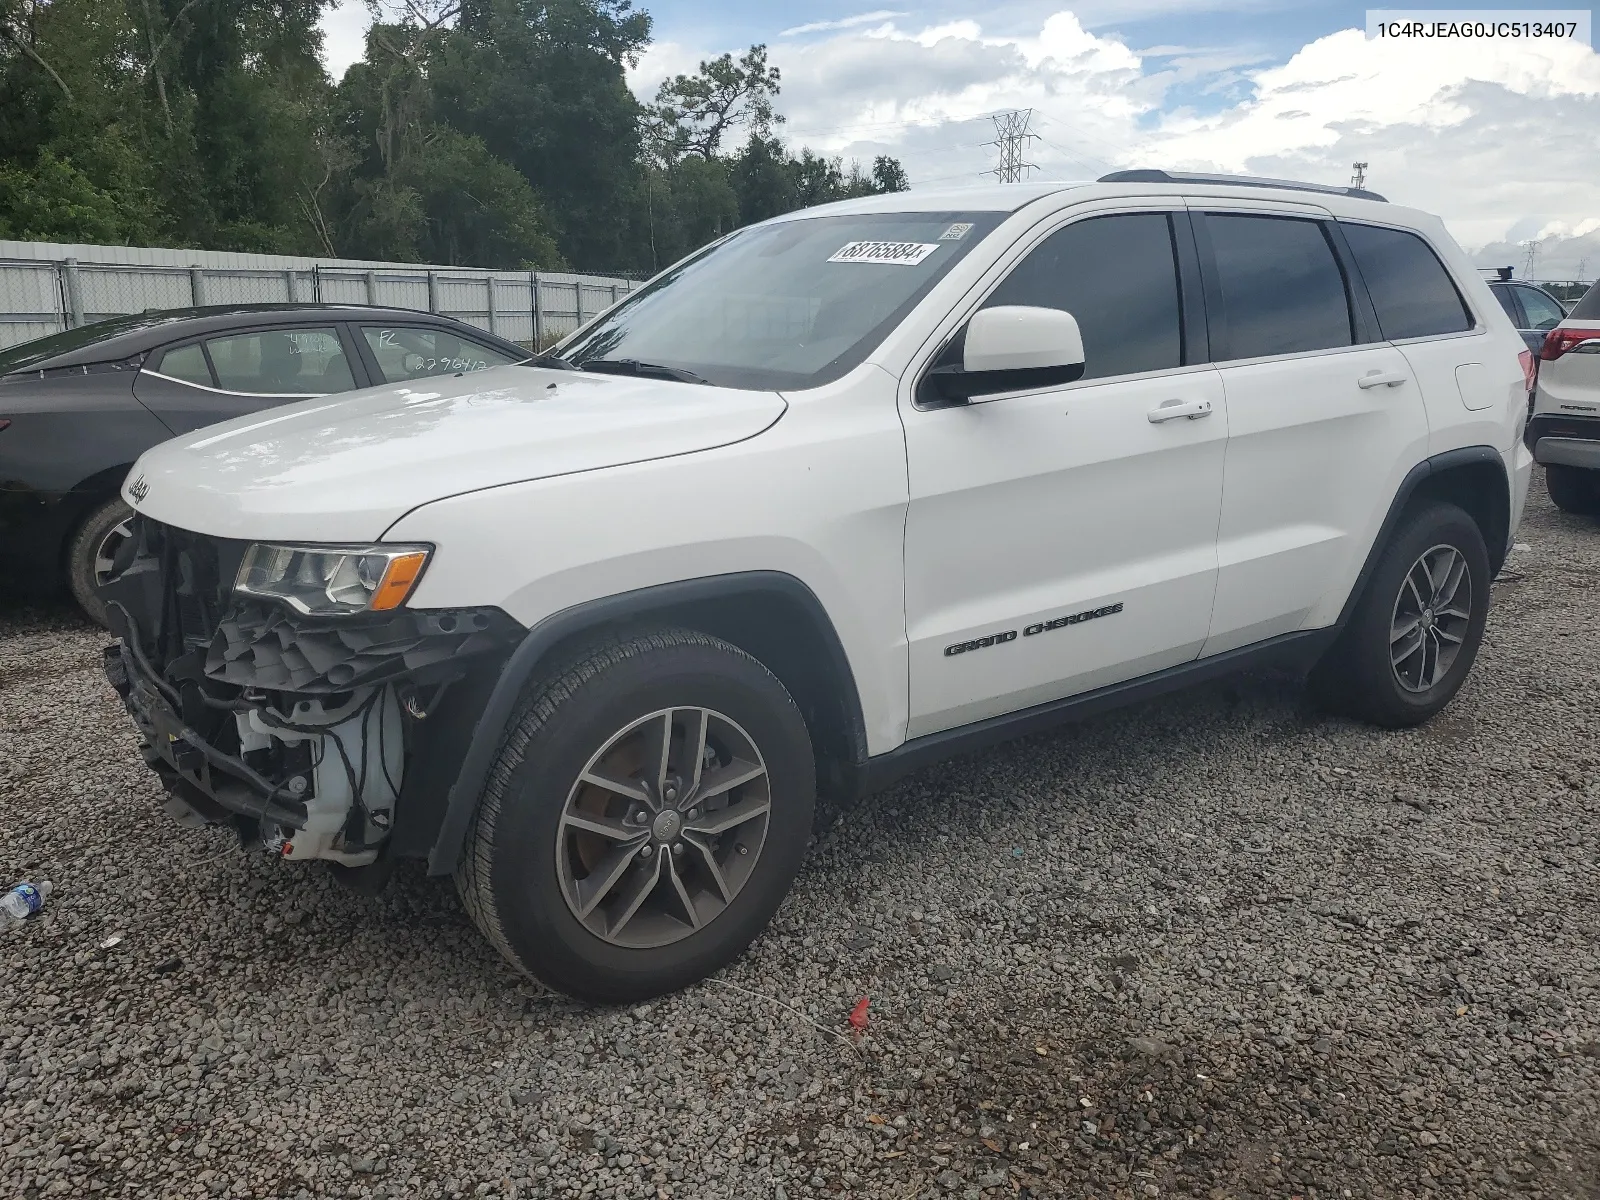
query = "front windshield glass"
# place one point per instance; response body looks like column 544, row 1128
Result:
column 790, row 305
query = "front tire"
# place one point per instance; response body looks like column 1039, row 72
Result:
column 91, row 552
column 1573, row 489
column 1416, row 630
column 647, row 813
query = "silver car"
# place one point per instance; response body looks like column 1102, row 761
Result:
column 1564, row 430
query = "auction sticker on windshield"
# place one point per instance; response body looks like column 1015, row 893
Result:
column 900, row 254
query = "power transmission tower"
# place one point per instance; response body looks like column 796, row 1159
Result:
column 1011, row 138
column 1359, row 179
column 1532, row 247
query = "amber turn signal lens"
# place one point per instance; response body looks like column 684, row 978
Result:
column 398, row 580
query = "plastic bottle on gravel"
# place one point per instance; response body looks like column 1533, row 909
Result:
column 22, row 901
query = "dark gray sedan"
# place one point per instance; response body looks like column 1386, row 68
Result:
column 1534, row 311
column 77, row 408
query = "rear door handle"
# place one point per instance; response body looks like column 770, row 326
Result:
column 1374, row 379
column 1171, row 410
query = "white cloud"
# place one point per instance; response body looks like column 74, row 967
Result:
column 661, row 61
column 1559, row 257
column 1491, row 135
column 1495, row 136
column 1478, row 132
column 925, row 93
column 867, row 18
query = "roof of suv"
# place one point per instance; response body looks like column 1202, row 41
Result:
column 1010, row 197
column 116, row 338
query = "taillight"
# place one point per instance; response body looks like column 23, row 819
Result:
column 1530, row 368
column 1558, row 341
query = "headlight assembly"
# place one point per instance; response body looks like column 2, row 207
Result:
column 332, row 580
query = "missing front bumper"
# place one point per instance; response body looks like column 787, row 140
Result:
column 211, row 785
column 300, row 733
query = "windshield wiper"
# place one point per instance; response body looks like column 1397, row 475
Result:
column 632, row 366
column 552, row 361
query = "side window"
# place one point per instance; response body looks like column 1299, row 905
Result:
column 1543, row 313
column 187, row 363
column 1118, row 276
column 1508, row 301
column 282, row 362
column 415, row 352
column 1281, row 285
column 1410, row 288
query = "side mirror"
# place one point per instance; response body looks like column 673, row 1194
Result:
column 1011, row 348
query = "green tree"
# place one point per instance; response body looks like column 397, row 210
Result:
column 70, row 119
column 542, row 83
column 491, row 132
column 888, row 175
column 693, row 113
column 763, row 179
column 193, row 114
column 421, row 190
column 236, row 86
column 55, row 202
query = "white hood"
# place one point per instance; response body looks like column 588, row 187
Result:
column 345, row 468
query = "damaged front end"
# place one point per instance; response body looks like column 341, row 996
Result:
column 320, row 730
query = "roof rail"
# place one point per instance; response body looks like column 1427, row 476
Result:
column 1148, row 175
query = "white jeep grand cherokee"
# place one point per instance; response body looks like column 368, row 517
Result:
column 847, row 491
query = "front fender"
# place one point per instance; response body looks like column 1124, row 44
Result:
column 483, row 742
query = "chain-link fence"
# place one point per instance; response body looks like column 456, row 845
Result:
column 535, row 308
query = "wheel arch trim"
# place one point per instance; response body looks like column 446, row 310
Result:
column 491, row 724
column 1428, row 468
column 82, row 499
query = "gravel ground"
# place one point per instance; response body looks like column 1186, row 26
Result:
column 1215, row 946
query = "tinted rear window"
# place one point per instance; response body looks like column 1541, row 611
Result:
column 1408, row 284
column 1281, row 285
column 1588, row 308
column 27, row 354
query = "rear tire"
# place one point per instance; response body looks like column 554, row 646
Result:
column 582, row 812
column 1416, row 630
column 1573, row 489
column 89, row 556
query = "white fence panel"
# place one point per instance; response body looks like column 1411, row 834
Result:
column 513, row 309
column 249, row 287
column 30, row 302
column 337, row 288
column 41, row 293
column 109, row 291
column 399, row 291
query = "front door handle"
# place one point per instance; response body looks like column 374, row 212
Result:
column 1374, row 379
column 1171, row 410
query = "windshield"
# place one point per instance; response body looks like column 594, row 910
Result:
column 790, row 305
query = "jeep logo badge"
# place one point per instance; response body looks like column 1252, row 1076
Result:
column 138, row 489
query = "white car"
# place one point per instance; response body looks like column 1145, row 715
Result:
column 847, row 491
column 1564, row 431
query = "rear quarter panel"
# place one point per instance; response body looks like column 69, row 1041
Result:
column 1472, row 384
column 70, row 441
